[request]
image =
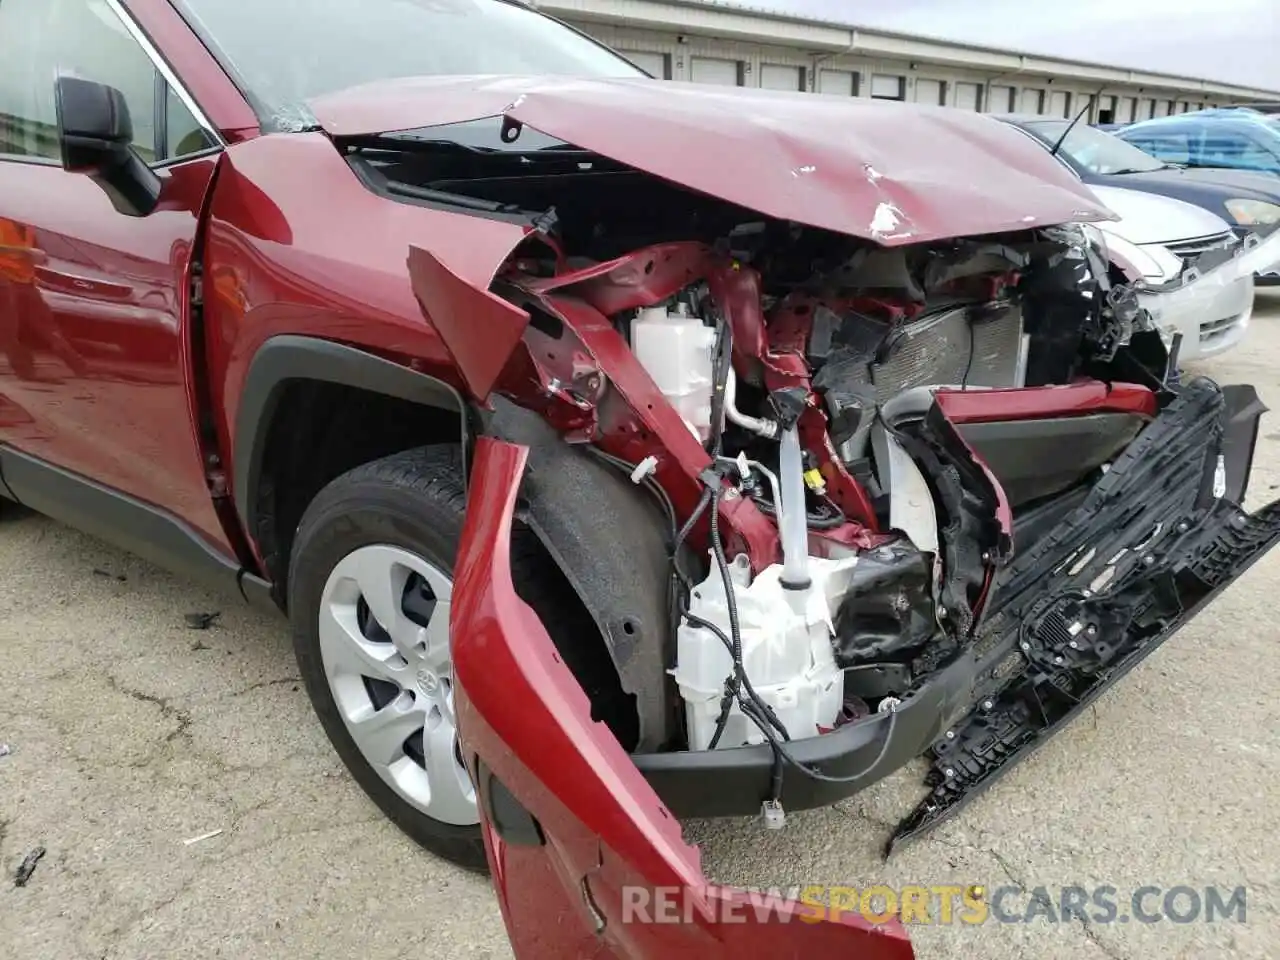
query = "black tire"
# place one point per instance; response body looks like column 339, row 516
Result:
column 413, row 500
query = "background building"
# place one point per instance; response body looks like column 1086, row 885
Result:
column 723, row 43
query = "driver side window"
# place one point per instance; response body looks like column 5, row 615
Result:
column 43, row 39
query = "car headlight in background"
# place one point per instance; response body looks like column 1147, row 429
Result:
column 1096, row 238
column 1253, row 213
column 1157, row 263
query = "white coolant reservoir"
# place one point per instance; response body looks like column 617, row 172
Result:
column 677, row 350
column 786, row 651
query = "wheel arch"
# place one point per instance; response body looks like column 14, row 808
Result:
column 576, row 506
column 287, row 361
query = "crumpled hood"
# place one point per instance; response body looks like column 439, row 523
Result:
column 889, row 172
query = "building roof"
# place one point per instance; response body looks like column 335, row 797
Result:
column 758, row 24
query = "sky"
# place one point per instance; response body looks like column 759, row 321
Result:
column 1236, row 41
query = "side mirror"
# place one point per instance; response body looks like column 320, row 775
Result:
column 96, row 134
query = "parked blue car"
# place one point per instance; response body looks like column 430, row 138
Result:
column 1237, row 139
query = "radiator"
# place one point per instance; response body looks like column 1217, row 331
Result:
column 942, row 348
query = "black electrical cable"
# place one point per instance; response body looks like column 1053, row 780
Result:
column 739, row 678
column 735, row 634
column 752, row 697
column 649, row 482
column 813, row 774
column 738, row 688
column 833, row 519
column 973, row 345
column 694, row 517
column 719, row 383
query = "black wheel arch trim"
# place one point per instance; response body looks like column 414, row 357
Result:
column 289, row 357
column 580, row 509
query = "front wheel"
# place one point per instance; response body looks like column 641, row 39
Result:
column 370, row 587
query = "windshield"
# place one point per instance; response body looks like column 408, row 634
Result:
column 1096, row 150
column 284, row 52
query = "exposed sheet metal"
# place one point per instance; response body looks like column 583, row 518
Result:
column 890, row 172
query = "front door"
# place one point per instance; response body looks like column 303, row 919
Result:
column 95, row 348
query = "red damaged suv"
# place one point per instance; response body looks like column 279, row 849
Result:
column 619, row 451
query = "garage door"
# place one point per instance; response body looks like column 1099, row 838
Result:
column 885, row 86
column 929, row 91
column 1031, row 100
column 776, row 77
column 1124, row 112
column 1000, row 99
column 1059, row 103
column 837, row 82
column 722, row 72
column 654, row 63
column 968, row 95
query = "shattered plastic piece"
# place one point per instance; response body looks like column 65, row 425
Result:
column 644, row 468
column 5, row 750
column 28, row 867
column 204, row 836
column 202, row 621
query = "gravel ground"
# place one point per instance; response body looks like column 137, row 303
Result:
column 131, row 733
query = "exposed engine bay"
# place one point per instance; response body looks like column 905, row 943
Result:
column 856, row 446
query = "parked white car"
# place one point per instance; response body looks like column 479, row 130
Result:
column 1163, row 237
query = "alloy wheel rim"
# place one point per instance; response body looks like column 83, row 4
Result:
column 384, row 645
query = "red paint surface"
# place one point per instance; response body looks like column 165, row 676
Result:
column 1031, row 403
column 95, row 338
column 639, row 279
column 523, row 713
column 480, row 330
column 892, row 172
column 279, row 262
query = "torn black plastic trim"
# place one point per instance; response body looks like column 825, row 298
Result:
column 971, row 539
